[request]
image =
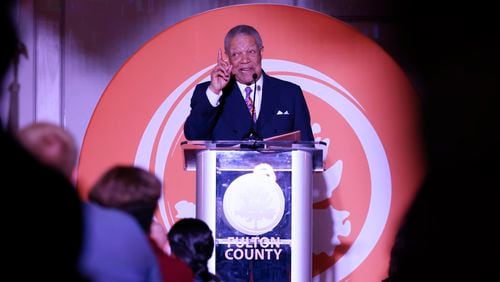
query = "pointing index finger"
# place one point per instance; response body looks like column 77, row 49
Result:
column 219, row 57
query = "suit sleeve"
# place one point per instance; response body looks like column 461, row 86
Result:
column 302, row 118
column 202, row 117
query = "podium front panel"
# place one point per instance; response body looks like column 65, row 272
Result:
column 259, row 206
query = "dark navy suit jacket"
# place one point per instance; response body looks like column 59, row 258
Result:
column 283, row 110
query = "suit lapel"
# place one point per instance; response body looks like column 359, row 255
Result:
column 237, row 113
column 269, row 100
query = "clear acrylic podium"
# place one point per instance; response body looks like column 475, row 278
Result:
column 256, row 196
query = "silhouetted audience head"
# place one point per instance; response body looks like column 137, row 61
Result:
column 191, row 240
column 45, row 221
column 51, row 144
column 131, row 189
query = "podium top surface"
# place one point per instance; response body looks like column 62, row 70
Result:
column 191, row 148
column 251, row 144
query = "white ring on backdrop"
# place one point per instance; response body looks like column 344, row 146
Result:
column 342, row 102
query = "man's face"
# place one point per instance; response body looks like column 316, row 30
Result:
column 245, row 57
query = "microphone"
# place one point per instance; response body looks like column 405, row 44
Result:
column 254, row 76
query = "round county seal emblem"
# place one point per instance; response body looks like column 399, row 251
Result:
column 254, row 203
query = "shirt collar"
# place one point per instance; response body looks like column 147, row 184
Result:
column 242, row 86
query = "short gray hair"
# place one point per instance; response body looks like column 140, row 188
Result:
column 242, row 29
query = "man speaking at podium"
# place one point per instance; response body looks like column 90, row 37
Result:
column 242, row 102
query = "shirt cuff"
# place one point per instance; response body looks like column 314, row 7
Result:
column 213, row 97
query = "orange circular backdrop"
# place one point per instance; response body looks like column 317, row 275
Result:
column 361, row 104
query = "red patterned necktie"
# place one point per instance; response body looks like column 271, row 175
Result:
column 248, row 101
